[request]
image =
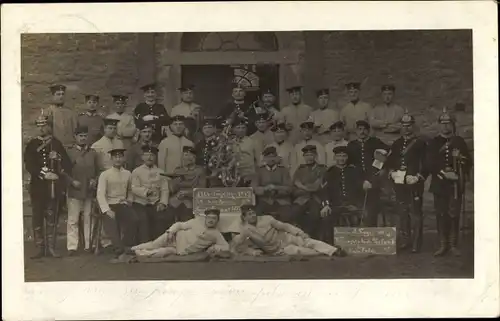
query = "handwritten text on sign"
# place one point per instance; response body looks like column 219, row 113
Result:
column 366, row 240
column 227, row 200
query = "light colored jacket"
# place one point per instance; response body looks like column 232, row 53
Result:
column 145, row 179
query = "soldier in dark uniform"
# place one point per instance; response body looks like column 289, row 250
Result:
column 49, row 166
column 151, row 110
column 448, row 161
column 361, row 154
column 92, row 119
column 238, row 107
column 134, row 154
column 272, row 186
column 342, row 192
column 306, row 190
column 407, row 169
column 206, row 146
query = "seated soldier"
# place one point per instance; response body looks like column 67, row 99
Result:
column 198, row 236
column 306, row 188
column 342, row 192
column 184, row 179
column 272, row 186
column 151, row 191
column 115, row 200
column 265, row 235
column 307, row 130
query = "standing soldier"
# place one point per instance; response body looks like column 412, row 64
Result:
column 362, row 155
column 449, row 160
column 81, row 189
column 92, row 119
column 342, row 192
column 307, row 130
column 268, row 103
column 245, row 151
column 263, row 136
column 151, row 110
column 306, row 189
column 190, row 110
column 126, row 124
column 107, row 142
column 63, row 119
column 406, row 167
column 134, row 153
column 170, row 148
column 47, row 163
column 324, row 117
column 296, row 113
column 284, row 148
column 384, row 118
column 237, row 107
column 151, row 191
column 184, row 178
column 205, row 147
column 355, row 110
column 337, row 136
column 272, row 186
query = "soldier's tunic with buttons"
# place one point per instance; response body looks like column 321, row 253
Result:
column 439, row 158
column 94, row 123
column 158, row 110
column 189, row 178
column 64, row 122
column 343, row 186
column 330, row 155
column 408, row 154
column 277, row 176
column 361, row 154
column 37, row 162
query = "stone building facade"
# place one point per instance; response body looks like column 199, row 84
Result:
column 431, row 69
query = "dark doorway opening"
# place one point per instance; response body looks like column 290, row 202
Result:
column 213, row 83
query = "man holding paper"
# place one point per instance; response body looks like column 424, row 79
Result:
column 406, row 167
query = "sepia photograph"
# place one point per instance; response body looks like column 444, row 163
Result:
column 218, row 155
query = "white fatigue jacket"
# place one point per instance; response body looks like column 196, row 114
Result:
column 145, row 179
column 261, row 140
column 113, row 187
column 295, row 115
column 330, row 155
column 324, row 118
column 184, row 109
column 299, row 155
column 197, row 237
column 102, row 148
column 170, row 152
column 64, row 122
column 385, row 122
column 351, row 113
column 126, row 125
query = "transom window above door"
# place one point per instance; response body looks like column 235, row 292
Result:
column 229, row 41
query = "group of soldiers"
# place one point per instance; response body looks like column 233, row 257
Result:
column 314, row 169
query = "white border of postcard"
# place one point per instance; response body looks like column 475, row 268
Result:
column 255, row 299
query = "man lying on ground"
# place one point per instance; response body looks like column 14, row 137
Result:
column 198, row 237
column 265, row 235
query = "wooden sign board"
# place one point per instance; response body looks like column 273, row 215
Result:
column 366, row 240
column 228, row 200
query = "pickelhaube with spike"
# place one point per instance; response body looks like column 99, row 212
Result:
column 445, row 117
column 407, row 118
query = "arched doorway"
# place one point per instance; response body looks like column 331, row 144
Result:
column 212, row 60
column 213, row 82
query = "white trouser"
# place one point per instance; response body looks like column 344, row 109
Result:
column 308, row 246
column 75, row 207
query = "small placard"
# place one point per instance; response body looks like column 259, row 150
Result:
column 366, row 240
column 228, row 200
